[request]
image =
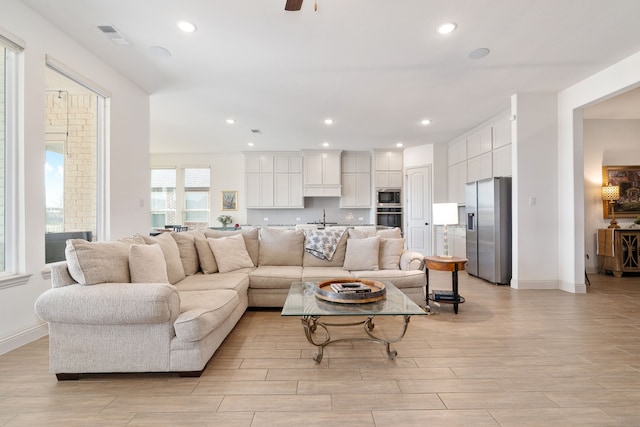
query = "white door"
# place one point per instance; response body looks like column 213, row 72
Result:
column 418, row 214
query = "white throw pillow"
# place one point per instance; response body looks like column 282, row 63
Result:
column 188, row 253
column 390, row 252
column 230, row 253
column 147, row 264
column 281, row 247
column 97, row 262
column 362, row 254
column 175, row 269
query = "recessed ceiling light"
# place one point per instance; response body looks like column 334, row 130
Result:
column 250, row 144
column 399, row 144
column 478, row 53
column 425, row 122
column 446, row 28
column 325, row 144
column 186, row 26
column 328, row 121
column 230, row 121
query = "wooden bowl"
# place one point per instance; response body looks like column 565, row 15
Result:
column 378, row 291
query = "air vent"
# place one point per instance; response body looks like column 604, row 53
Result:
column 114, row 35
column 256, row 131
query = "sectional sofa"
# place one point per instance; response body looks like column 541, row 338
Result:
column 166, row 303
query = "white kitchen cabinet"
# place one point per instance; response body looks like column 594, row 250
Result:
column 457, row 151
column 273, row 180
column 457, row 182
column 502, row 161
column 388, row 169
column 502, row 132
column 480, row 167
column 322, row 173
column 356, row 180
column 480, row 142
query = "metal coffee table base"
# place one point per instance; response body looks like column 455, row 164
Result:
column 311, row 324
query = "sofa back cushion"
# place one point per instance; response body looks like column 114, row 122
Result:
column 230, row 253
column 281, row 247
column 390, row 233
column 147, row 264
column 90, row 263
column 207, row 261
column 362, row 254
column 175, row 270
column 186, row 241
column 250, row 236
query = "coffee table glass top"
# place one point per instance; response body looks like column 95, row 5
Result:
column 302, row 301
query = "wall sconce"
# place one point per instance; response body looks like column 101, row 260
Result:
column 445, row 214
column 611, row 193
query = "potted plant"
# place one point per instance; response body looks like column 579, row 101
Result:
column 225, row 220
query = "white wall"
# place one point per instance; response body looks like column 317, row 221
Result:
column 127, row 160
column 534, row 191
column 615, row 79
column 610, row 143
column 227, row 174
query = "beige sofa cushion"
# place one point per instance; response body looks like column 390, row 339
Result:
column 318, row 274
column 281, row 247
column 186, row 241
column 203, row 311
column 208, row 263
column 275, row 277
column 390, row 233
column 390, row 252
column 234, row 280
column 230, row 253
column 175, row 270
column 362, row 254
column 97, row 262
column 361, row 232
column 401, row 279
column 251, row 240
column 147, row 264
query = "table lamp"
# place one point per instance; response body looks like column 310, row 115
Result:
column 445, row 214
column 611, row 193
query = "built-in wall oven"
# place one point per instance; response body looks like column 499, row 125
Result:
column 389, row 216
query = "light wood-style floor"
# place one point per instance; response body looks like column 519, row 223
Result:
column 509, row 358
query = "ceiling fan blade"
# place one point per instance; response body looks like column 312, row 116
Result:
column 293, row 5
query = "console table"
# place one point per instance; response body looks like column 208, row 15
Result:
column 619, row 250
column 452, row 264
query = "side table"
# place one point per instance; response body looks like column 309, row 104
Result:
column 453, row 264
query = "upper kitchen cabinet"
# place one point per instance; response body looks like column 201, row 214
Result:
column 273, row 180
column 388, row 169
column 322, row 173
column 502, row 132
column 356, row 180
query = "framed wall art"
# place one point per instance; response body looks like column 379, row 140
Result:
column 229, row 200
column 628, row 179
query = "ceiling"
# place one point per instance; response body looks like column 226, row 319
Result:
column 377, row 67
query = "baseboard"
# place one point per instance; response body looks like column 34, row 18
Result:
column 23, row 338
column 534, row 284
column 573, row 288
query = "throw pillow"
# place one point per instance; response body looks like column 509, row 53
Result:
column 186, row 241
column 390, row 251
column 250, row 240
column 362, row 254
column 208, row 263
column 90, row 263
column 147, row 264
column 361, row 232
column 281, row 247
column 230, row 253
column 175, row 270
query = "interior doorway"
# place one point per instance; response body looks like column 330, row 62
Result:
column 419, row 232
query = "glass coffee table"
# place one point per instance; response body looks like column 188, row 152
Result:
column 302, row 301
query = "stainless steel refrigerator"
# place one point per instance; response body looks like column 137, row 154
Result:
column 488, row 207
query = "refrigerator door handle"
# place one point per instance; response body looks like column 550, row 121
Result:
column 470, row 224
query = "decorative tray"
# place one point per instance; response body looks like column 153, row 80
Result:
column 376, row 291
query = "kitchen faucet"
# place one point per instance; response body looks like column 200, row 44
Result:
column 324, row 219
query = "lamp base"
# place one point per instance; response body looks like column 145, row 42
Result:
column 613, row 224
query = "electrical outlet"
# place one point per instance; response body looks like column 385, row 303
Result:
column 266, row 218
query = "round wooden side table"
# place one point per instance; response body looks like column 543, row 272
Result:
column 452, row 264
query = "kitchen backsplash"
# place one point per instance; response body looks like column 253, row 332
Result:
column 312, row 212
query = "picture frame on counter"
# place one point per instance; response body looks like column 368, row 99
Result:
column 229, row 200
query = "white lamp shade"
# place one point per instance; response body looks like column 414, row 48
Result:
column 445, row 213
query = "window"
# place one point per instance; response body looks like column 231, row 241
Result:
column 72, row 143
column 196, row 197
column 163, row 197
